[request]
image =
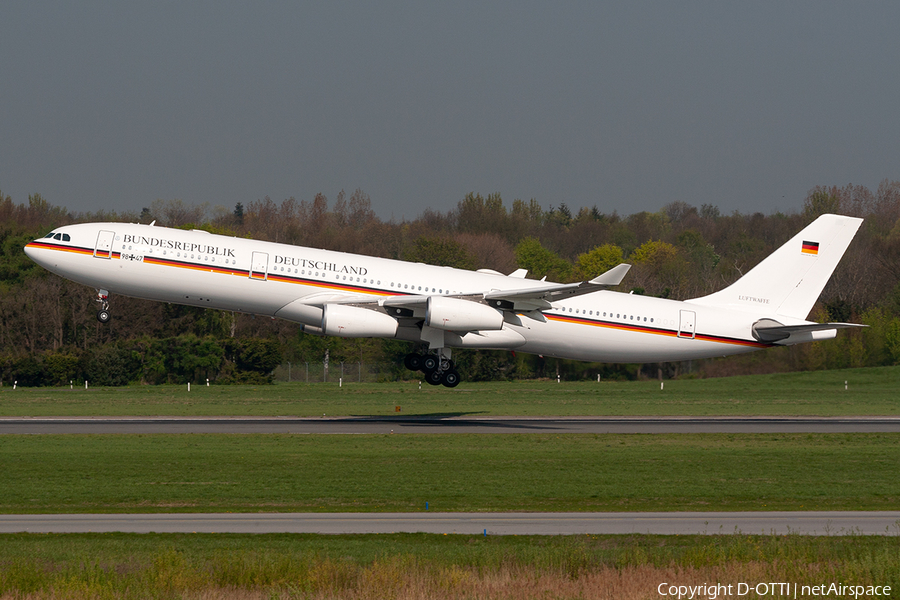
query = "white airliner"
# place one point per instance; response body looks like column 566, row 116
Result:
column 440, row 308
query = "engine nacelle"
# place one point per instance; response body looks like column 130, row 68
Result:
column 453, row 314
column 351, row 321
column 301, row 312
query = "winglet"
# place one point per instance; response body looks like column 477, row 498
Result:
column 612, row 277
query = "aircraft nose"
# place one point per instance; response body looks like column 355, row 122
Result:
column 34, row 251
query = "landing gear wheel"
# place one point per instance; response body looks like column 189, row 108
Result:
column 434, row 377
column 429, row 363
column 450, row 378
column 413, row 361
column 103, row 314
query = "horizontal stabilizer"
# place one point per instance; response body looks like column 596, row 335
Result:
column 767, row 330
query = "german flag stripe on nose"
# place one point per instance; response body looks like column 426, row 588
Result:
column 810, row 248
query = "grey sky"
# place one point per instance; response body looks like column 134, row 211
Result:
column 629, row 106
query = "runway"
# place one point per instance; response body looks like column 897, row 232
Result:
column 670, row 523
column 445, row 424
column 680, row 523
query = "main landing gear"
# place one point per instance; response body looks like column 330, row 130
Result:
column 438, row 369
column 103, row 314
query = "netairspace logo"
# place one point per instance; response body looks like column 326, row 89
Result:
column 776, row 589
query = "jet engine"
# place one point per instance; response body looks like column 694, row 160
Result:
column 351, row 321
column 453, row 314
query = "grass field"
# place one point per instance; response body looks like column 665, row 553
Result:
column 534, row 472
column 873, row 391
column 531, row 472
column 426, row 566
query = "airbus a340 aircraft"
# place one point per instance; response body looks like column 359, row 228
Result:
column 440, row 308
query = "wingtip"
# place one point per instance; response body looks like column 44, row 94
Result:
column 612, row 277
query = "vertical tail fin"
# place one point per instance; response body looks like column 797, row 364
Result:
column 788, row 282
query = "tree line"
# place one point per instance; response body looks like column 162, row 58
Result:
column 49, row 334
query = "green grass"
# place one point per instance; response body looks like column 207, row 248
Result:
column 533, row 472
column 870, row 391
column 421, row 565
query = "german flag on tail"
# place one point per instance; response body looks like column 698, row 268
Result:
column 810, row 248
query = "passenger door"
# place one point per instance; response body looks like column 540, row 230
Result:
column 259, row 266
column 688, row 324
column 103, row 249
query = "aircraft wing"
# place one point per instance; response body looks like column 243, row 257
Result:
column 540, row 298
column 527, row 300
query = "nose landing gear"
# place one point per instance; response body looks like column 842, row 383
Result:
column 103, row 314
column 438, row 368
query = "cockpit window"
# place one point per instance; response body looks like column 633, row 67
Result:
column 66, row 238
column 58, row 236
column 63, row 237
column 49, row 235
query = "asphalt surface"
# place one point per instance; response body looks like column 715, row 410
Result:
column 767, row 523
column 446, row 424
